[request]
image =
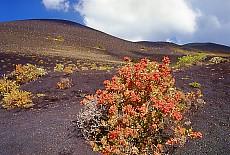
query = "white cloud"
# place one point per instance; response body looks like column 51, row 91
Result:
column 158, row 20
column 59, row 5
column 213, row 22
column 139, row 19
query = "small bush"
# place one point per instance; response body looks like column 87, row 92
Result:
column 189, row 60
column 6, row 86
column 217, row 60
column 59, row 38
column 100, row 47
column 139, row 112
column 93, row 67
column 26, row 73
column 70, row 69
column 105, row 67
column 41, row 62
column 17, row 98
column 194, row 84
column 144, row 48
column 11, row 95
column 89, row 119
column 40, row 95
column 59, row 68
column 64, row 83
column 84, row 68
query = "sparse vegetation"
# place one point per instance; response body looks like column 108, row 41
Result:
column 6, row 86
column 26, row 73
column 64, row 83
column 100, row 47
column 195, row 84
column 40, row 95
column 105, row 67
column 144, row 48
column 70, row 68
column 217, row 60
column 93, row 66
column 41, row 62
column 190, row 60
column 59, row 38
column 12, row 96
column 59, row 68
column 17, row 98
column 84, row 68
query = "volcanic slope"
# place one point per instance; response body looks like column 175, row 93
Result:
column 66, row 38
column 70, row 39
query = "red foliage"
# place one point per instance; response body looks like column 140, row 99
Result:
column 141, row 101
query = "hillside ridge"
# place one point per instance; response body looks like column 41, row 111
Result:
column 70, row 39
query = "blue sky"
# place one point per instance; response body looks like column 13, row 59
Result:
column 179, row 21
column 33, row 9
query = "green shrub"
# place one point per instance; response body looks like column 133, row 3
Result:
column 40, row 95
column 189, row 60
column 139, row 112
column 144, row 48
column 100, row 47
column 59, row 38
column 26, row 73
column 194, row 84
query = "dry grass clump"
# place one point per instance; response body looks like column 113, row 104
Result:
column 89, row 119
column 59, row 68
column 64, row 83
column 6, row 86
column 11, row 95
column 27, row 73
column 17, row 98
column 68, row 69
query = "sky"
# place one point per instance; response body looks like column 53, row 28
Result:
column 178, row 21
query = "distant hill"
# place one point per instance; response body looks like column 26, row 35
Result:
column 158, row 44
column 70, row 39
column 207, row 47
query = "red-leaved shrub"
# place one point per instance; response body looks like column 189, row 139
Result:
column 139, row 112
